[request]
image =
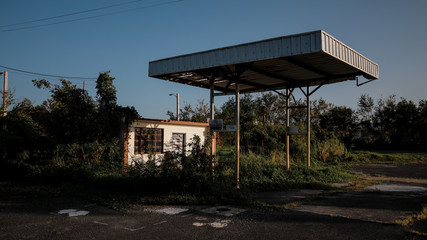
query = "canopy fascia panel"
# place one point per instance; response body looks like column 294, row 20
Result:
column 307, row 59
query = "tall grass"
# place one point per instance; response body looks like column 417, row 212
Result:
column 266, row 173
column 396, row 157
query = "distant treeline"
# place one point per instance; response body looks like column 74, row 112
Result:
column 383, row 124
column 72, row 134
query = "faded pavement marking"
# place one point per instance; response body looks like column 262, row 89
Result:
column 134, row 229
column 218, row 223
column 168, row 211
column 73, row 212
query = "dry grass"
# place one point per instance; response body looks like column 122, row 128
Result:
column 416, row 217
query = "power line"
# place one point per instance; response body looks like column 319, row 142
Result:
column 74, row 81
column 90, row 17
column 47, row 75
column 70, row 14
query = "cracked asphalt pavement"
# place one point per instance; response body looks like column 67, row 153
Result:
column 353, row 215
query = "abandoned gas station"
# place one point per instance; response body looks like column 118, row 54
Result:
column 304, row 62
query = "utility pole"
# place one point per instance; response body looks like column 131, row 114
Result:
column 177, row 104
column 4, row 94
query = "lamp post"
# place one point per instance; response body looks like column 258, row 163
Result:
column 177, row 104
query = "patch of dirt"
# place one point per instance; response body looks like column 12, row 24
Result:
column 407, row 171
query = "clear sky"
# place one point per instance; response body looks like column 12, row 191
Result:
column 389, row 32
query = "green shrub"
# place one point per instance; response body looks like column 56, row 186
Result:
column 329, row 150
column 260, row 173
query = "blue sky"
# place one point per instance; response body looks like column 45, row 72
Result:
column 391, row 33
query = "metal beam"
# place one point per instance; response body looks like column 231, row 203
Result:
column 197, row 84
column 271, row 75
column 315, row 81
column 307, row 67
column 360, row 84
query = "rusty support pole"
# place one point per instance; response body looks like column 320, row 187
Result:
column 212, row 117
column 237, row 136
column 308, row 125
column 287, row 125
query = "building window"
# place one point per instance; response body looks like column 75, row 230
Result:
column 148, row 140
column 178, row 143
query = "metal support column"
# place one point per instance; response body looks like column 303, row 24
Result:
column 237, row 136
column 308, row 125
column 287, row 125
column 212, row 113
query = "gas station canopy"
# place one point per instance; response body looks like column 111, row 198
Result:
column 301, row 60
column 288, row 62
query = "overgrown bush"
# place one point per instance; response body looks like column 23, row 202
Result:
column 192, row 173
column 260, row 173
column 330, row 149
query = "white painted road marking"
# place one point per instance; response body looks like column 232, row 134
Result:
column 168, row 211
column 106, row 224
column 73, row 212
column 160, row 223
column 135, row 229
column 218, row 223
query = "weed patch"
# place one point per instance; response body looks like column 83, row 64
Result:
column 400, row 157
column 409, row 220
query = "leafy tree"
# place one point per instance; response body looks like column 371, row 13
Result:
column 266, row 105
column 24, row 144
column 340, row 121
column 68, row 131
column 72, row 113
column 406, row 118
column 422, row 124
column 318, row 108
column 365, row 112
column 200, row 113
column 106, row 92
column 185, row 113
column 383, row 121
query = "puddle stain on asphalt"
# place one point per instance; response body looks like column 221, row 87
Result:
column 223, row 211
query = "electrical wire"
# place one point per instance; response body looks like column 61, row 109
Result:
column 74, row 81
column 70, row 14
column 90, row 17
column 47, row 75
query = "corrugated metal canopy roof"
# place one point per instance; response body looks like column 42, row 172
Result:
column 307, row 59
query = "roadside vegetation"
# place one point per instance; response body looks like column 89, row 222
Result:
column 72, row 144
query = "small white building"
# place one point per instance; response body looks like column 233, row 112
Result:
column 154, row 138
